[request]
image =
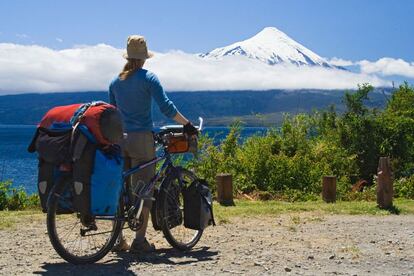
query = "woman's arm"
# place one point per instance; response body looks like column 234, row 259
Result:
column 179, row 118
column 167, row 106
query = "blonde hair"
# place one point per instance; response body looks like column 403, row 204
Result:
column 130, row 67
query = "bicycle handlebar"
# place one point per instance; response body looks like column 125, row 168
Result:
column 174, row 129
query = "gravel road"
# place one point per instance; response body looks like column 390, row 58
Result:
column 292, row 244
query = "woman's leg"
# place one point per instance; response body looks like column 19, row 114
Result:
column 142, row 149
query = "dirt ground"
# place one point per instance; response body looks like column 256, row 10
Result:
column 292, row 244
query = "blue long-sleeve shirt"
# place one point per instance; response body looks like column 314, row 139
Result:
column 133, row 97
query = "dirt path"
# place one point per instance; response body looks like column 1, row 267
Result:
column 303, row 244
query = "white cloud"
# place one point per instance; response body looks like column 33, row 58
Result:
column 340, row 62
column 59, row 40
column 388, row 67
column 181, row 71
column 22, row 35
column 39, row 69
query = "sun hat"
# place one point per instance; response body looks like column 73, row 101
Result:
column 137, row 48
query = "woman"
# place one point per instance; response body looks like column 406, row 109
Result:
column 132, row 93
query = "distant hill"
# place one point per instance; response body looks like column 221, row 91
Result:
column 217, row 107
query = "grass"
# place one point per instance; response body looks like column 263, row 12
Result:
column 244, row 208
column 9, row 219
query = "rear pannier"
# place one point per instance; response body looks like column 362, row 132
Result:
column 198, row 206
column 80, row 140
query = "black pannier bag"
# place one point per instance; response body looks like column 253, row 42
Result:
column 166, row 201
column 198, row 206
column 156, row 211
column 82, row 171
column 53, row 147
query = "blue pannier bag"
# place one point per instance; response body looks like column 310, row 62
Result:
column 97, row 176
column 106, row 183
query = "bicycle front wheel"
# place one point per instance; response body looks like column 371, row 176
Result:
column 77, row 239
column 172, row 211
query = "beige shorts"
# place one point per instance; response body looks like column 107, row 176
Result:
column 139, row 147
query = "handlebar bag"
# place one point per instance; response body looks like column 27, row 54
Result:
column 178, row 143
column 198, row 206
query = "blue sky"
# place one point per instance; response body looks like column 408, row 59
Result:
column 369, row 29
column 54, row 46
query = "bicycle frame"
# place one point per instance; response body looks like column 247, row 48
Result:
column 144, row 191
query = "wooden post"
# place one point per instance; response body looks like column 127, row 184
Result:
column 224, row 189
column 329, row 189
column 385, row 190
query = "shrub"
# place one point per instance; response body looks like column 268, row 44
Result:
column 289, row 162
column 4, row 194
column 404, row 187
column 16, row 198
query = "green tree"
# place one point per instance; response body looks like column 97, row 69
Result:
column 359, row 131
column 397, row 124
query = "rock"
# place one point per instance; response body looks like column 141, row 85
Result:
column 287, row 269
column 311, row 257
column 332, row 257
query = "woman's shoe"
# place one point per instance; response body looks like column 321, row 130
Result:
column 141, row 247
column 121, row 246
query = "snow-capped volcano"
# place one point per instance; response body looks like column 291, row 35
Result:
column 271, row 46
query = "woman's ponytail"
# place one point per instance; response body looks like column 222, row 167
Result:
column 130, row 67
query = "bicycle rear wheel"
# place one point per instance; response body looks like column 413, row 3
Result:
column 172, row 211
column 78, row 241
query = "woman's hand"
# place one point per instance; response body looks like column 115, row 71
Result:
column 189, row 129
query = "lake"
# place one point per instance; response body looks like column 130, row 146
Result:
column 20, row 166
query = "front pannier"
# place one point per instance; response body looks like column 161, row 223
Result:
column 198, row 206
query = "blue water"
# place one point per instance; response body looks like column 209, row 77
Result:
column 20, row 166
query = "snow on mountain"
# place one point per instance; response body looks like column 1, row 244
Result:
column 271, row 46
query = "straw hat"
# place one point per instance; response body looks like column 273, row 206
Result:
column 137, row 48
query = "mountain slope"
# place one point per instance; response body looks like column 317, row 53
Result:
column 271, row 46
column 217, row 107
